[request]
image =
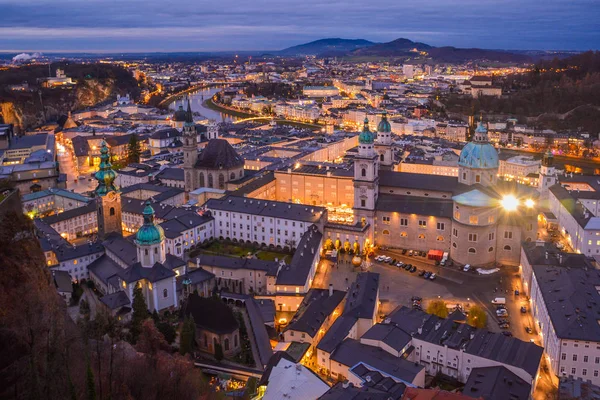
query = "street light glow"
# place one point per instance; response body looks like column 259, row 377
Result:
column 529, row 203
column 509, row 202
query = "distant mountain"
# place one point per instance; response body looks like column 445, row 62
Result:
column 324, row 47
column 401, row 47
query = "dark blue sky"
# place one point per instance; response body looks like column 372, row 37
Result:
column 159, row 25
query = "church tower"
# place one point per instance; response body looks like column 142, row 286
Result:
column 190, row 148
column 108, row 203
column 150, row 240
column 366, row 177
column 383, row 142
column 478, row 162
column 212, row 130
column 547, row 174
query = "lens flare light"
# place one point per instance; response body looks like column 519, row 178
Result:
column 509, row 202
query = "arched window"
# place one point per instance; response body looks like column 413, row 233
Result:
column 363, row 172
column 210, row 180
column 507, row 248
column 386, row 232
column 403, row 234
column 221, row 181
column 490, row 249
column 472, row 250
column 112, row 211
column 165, row 293
column 201, row 179
column 440, row 239
column 156, row 250
column 422, row 236
column 226, row 344
column 232, row 176
column 477, row 178
column 381, row 157
column 454, row 244
column 146, row 252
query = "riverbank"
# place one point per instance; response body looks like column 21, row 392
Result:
column 209, row 103
column 168, row 100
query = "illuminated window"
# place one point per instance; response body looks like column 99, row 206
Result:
column 386, row 232
column 421, row 236
column 473, row 219
column 440, row 238
column 422, row 223
column 385, row 220
column 74, row 262
column 491, row 219
column 403, row 234
column 456, row 215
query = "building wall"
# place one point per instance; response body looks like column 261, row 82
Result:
column 77, row 267
column 189, row 238
column 390, row 231
column 81, row 225
column 206, row 341
column 314, row 189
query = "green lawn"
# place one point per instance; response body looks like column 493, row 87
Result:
column 233, row 250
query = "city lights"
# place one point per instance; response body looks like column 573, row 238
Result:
column 529, row 203
column 509, row 202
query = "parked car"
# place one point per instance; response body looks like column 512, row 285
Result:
column 421, row 272
column 410, row 253
column 467, row 267
column 400, row 264
column 432, row 276
column 501, row 312
column 426, row 274
column 507, row 333
column 404, row 251
column 413, row 269
column 407, row 267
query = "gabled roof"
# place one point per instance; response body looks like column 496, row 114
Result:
column 315, row 308
column 496, row 383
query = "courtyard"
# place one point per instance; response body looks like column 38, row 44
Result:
column 228, row 249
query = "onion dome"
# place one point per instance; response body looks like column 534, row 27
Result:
column 180, row 115
column 105, row 176
column 366, row 137
column 149, row 233
column 384, row 124
column 479, row 153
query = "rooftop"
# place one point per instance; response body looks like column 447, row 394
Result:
column 315, row 308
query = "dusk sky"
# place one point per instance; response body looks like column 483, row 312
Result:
column 158, row 25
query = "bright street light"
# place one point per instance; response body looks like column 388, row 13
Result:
column 509, row 202
column 529, row 203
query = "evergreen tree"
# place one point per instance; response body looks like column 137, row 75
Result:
column 90, row 383
column 167, row 331
column 133, row 150
column 186, row 336
column 140, row 313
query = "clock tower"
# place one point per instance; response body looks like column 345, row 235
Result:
column 366, row 177
column 108, row 197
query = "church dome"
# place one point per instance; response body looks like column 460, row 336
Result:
column 479, row 153
column 384, row 124
column 180, row 115
column 365, row 137
column 149, row 233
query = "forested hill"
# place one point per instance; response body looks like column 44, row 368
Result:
column 561, row 94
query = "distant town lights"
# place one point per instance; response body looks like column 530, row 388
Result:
column 509, row 202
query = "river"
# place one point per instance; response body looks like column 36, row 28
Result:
column 569, row 164
column 197, row 98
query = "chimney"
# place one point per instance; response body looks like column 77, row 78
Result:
column 330, row 289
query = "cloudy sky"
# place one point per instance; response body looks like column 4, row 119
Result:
column 223, row 25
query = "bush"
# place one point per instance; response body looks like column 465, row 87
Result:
column 477, row 317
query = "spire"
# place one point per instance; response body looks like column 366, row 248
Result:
column 189, row 117
column 105, row 176
column 366, row 125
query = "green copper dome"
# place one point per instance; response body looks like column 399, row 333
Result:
column 105, row 176
column 365, row 137
column 384, row 124
column 149, row 233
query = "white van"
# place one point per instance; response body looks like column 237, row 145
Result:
column 444, row 259
column 499, row 301
column 467, row 267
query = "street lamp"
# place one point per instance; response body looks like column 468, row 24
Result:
column 509, row 202
column 529, row 203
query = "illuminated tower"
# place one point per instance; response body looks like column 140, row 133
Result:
column 366, row 177
column 150, row 240
column 383, row 142
column 547, row 174
column 190, row 149
column 108, row 203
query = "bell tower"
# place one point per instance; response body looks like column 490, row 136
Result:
column 383, row 142
column 547, row 174
column 108, row 203
column 190, row 148
column 366, row 177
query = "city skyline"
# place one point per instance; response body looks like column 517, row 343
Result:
column 38, row 25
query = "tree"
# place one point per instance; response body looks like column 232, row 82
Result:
column 150, row 340
column 186, row 336
column 218, row 352
column 90, row 383
column 133, row 149
column 140, row 313
column 438, row 307
column 477, row 317
column 167, row 331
